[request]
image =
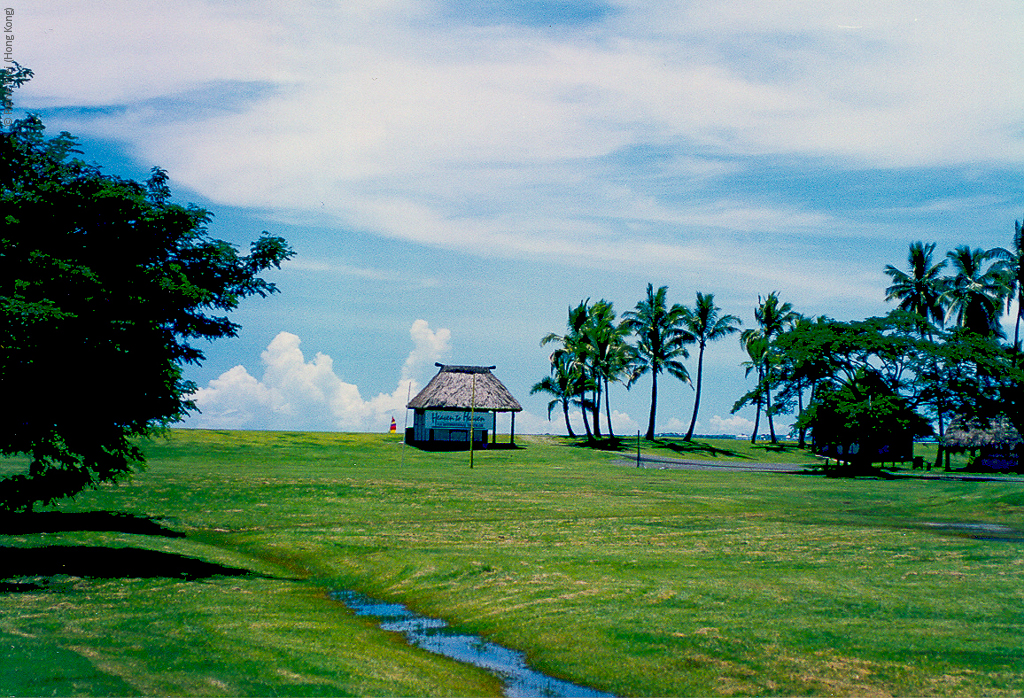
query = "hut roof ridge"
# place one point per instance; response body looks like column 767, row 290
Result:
column 457, row 387
column 452, row 368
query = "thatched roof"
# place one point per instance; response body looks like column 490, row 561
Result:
column 973, row 434
column 452, row 388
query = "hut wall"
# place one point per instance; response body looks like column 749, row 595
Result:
column 427, row 429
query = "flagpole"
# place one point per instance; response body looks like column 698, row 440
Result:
column 405, row 429
column 472, row 411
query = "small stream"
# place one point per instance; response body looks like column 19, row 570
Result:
column 434, row 635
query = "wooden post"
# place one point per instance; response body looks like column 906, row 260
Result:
column 638, row 449
column 405, row 429
column 512, row 436
column 472, row 412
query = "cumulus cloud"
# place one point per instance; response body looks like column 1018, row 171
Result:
column 431, row 347
column 731, row 425
column 296, row 393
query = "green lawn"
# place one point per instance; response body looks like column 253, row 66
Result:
column 634, row 581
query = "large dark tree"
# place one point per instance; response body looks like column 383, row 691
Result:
column 105, row 286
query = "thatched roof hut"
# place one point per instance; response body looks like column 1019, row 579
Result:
column 972, row 434
column 460, row 404
column 998, row 443
column 465, row 387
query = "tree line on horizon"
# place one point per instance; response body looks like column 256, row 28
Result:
column 940, row 355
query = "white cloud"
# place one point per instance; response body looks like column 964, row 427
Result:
column 392, row 121
column 307, row 395
column 431, row 347
column 732, row 425
column 674, row 425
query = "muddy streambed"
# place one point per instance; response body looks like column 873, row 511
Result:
column 435, row 635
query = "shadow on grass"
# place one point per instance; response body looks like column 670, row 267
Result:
column 628, row 444
column 34, row 565
column 58, row 521
column 697, row 447
column 606, row 444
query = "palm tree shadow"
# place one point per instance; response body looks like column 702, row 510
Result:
column 605, row 444
column 698, row 447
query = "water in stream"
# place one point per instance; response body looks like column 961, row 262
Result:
column 434, row 635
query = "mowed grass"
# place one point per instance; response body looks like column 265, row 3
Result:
column 634, row 581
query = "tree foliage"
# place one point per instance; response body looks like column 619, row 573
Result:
column 105, row 288
column 660, row 343
column 705, row 323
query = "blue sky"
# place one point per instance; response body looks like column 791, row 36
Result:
column 455, row 175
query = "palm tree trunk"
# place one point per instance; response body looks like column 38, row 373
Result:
column 654, row 406
column 596, row 407
column 1016, row 327
column 568, row 425
column 757, row 421
column 696, row 399
column 757, row 414
column 768, row 406
column 608, row 408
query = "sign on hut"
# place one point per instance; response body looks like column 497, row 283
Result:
column 458, row 402
column 998, row 444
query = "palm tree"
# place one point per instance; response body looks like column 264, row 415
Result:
column 605, row 342
column 920, row 289
column 773, row 317
column 757, row 349
column 565, row 385
column 975, row 294
column 573, row 354
column 705, row 324
column 661, row 343
column 1011, row 264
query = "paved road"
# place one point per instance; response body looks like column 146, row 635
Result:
column 723, row 466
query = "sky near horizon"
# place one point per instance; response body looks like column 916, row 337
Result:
column 454, row 175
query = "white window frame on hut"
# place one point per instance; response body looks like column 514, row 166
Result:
column 457, row 402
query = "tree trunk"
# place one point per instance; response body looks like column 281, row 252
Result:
column 608, row 408
column 768, row 406
column 596, row 407
column 942, row 433
column 654, row 406
column 568, row 425
column 696, row 399
column 803, row 430
column 1016, row 326
column 757, row 422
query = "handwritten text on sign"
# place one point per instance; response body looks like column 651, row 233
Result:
column 443, row 419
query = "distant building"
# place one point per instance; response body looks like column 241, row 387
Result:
column 458, row 401
column 998, row 444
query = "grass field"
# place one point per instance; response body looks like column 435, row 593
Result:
column 633, row 581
